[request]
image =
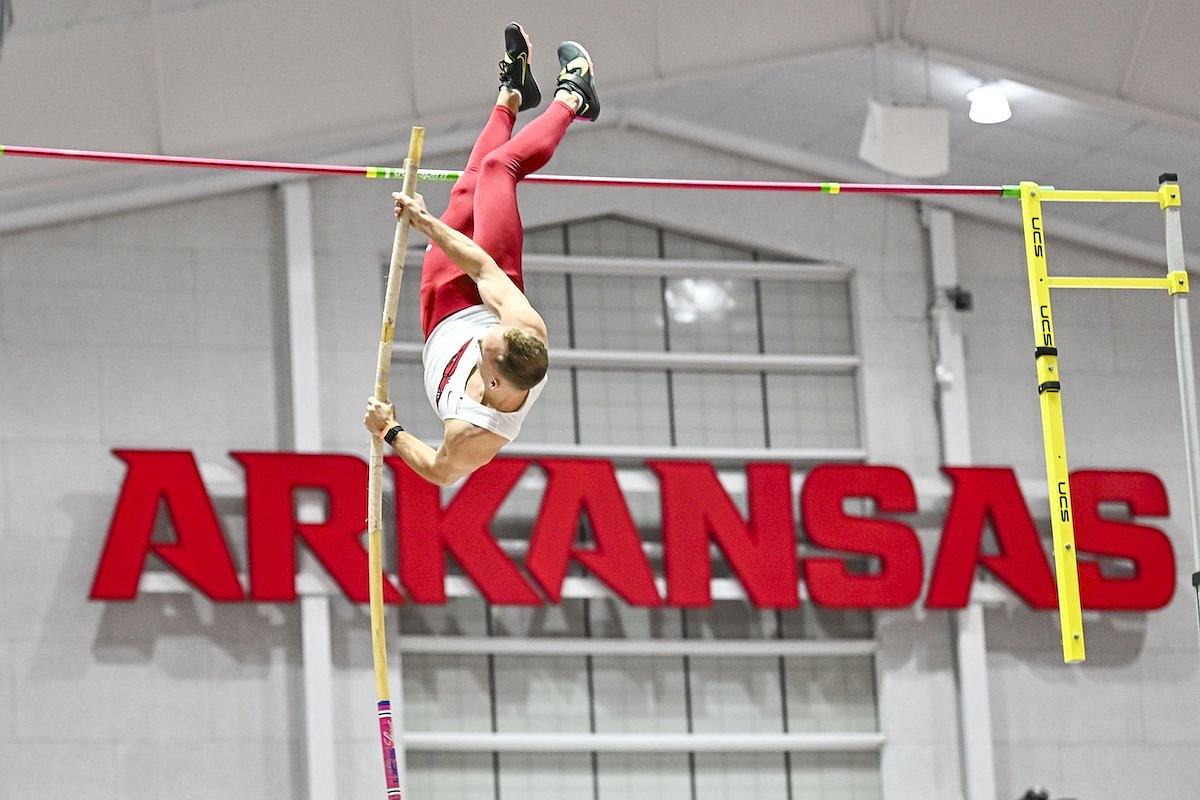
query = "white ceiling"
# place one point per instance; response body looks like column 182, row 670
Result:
column 1104, row 92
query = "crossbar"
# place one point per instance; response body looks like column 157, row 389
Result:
column 823, row 187
column 1062, row 282
column 1102, row 196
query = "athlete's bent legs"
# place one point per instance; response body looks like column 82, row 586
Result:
column 442, row 293
column 494, row 221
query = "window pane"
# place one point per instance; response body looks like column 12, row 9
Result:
column 446, row 693
column 736, row 695
column 541, row 693
column 661, row 776
column 677, row 245
column 449, row 776
column 807, row 317
column 616, row 312
column 836, row 776
column 543, row 776
column 636, row 694
column 812, row 410
column 719, row 410
column 737, row 776
column 620, row 407
column 712, row 316
column 613, row 237
column 831, row 693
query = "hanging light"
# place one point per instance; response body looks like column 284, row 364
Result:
column 988, row 104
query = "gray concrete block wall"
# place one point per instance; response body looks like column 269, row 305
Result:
column 145, row 329
column 917, row 711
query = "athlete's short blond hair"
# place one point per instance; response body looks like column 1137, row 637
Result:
column 525, row 359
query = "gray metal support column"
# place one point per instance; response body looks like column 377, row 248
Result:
column 318, row 703
column 306, row 437
column 1187, row 382
column 974, row 705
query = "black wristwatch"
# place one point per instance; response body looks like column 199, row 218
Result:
column 392, row 433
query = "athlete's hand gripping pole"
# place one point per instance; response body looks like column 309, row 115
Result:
column 375, row 481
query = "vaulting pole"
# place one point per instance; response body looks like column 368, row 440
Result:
column 375, row 481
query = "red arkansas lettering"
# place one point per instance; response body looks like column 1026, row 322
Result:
column 1153, row 580
column 897, row 581
column 427, row 531
column 761, row 552
column 980, row 495
column 272, row 480
column 199, row 553
column 696, row 512
column 575, row 488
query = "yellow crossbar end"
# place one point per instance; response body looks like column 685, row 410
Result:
column 1168, row 195
column 1177, row 282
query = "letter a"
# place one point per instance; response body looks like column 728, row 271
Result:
column 980, row 494
column 198, row 554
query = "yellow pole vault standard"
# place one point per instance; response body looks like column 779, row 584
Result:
column 375, row 480
column 1053, row 435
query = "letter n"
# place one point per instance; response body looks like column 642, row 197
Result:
column 199, row 553
column 761, row 552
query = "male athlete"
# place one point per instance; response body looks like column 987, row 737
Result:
column 485, row 351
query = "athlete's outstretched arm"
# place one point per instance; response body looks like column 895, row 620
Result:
column 496, row 289
column 464, row 449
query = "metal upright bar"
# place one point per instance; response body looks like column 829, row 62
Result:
column 1053, row 435
column 1170, row 202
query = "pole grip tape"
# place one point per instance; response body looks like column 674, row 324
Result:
column 1038, row 352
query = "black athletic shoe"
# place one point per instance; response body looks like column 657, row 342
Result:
column 514, row 66
column 576, row 75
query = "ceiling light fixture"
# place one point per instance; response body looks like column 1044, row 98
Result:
column 988, row 104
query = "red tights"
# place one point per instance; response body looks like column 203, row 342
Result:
column 483, row 205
